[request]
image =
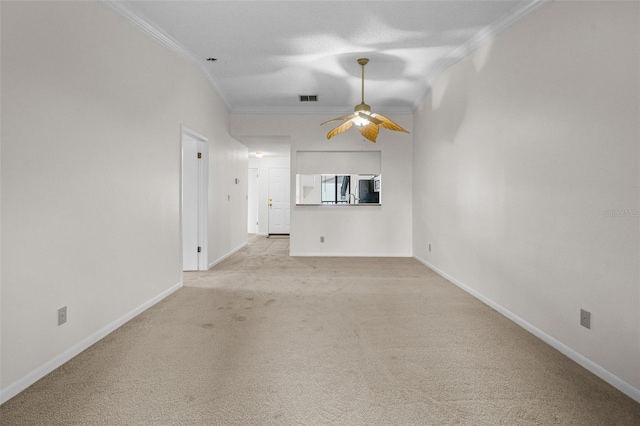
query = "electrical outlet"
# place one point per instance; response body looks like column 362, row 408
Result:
column 322, row 239
column 62, row 315
column 585, row 318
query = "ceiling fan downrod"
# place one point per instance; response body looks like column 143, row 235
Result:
column 362, row 106
column 363, row 62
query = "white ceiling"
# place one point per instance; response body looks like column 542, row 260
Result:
column 270, row 52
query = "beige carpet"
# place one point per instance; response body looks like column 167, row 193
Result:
column 265, row 339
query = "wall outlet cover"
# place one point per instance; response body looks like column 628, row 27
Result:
column 62, row 315
column 585, row 318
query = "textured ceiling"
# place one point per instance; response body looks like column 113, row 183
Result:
column 270, row 52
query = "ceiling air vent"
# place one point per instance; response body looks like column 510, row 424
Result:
column 308, row 98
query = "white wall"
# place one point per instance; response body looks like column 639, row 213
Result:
column 520, row 151
column 349, row 231
column 91, row 115
column 228, row 206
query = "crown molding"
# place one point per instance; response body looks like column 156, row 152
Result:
column 314, row 110
column 148, row 27
column 480, row 39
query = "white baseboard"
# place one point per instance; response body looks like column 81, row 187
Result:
column 350, row 254
column 215, row 262
column 26, row 381
column 604, row 374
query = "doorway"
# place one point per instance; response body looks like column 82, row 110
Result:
column 194, row 205
column 279, row 201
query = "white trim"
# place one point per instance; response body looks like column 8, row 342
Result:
column 190, row 132
column 21, row 384
column 203, row 214
column 148, row 27
column 316, row 110
column 604, row 374
column 481, row 38
column 215, row 262
column 350, row 255
column 203, row 196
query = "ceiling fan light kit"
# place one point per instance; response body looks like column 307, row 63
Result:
column 368, row 123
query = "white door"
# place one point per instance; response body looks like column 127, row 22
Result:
column 279, row 201
column 252, row 202
column 194, row 201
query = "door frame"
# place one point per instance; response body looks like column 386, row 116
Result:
column 269, row 197
column 203, row 191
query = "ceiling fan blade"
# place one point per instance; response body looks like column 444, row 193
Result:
column 388, row 124
column 370, row 131
column 344, row 117
column 369, row 118
column 341, row 128
column 362, row 114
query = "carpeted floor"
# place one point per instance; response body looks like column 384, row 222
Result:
column 266, row 339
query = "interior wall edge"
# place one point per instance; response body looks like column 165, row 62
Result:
column 624, row 387
column 23, row 383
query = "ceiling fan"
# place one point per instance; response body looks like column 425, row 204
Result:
column 367, row 122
